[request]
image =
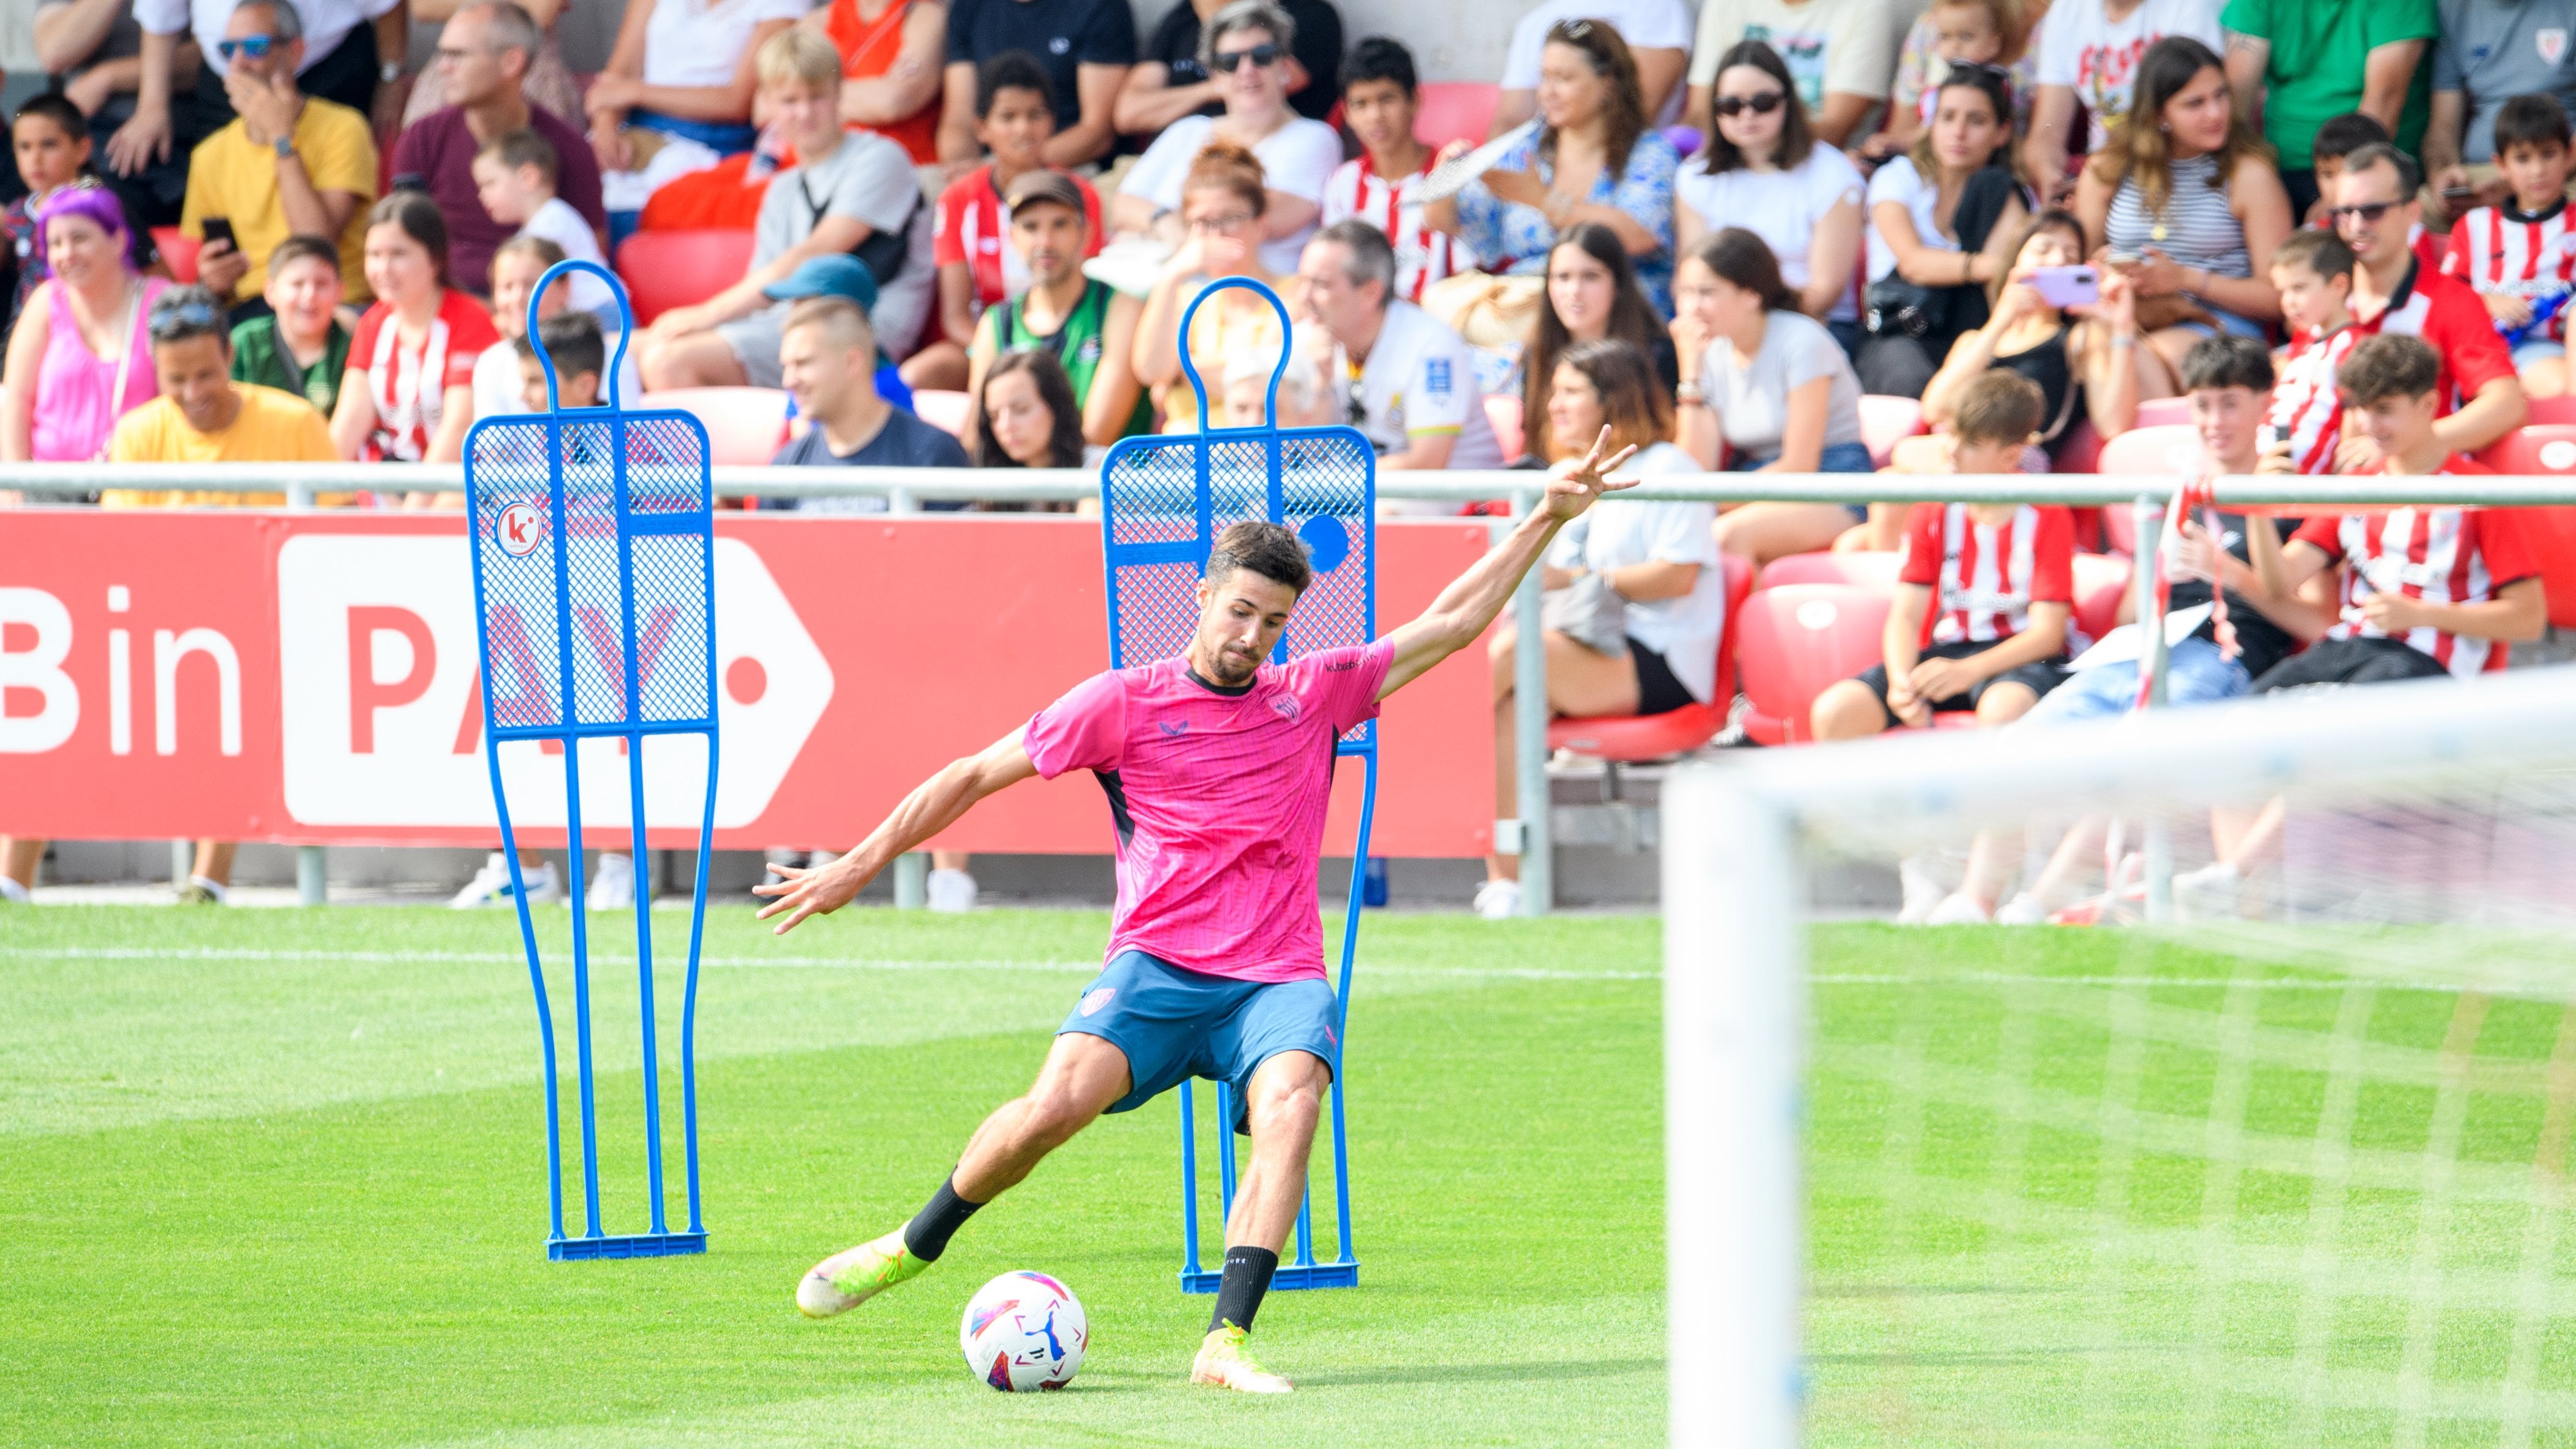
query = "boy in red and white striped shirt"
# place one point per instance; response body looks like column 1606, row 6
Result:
column 2522, row 257
column 2427, row 591
column 1379, row 186
column 2313, row 272
column 1982, row 607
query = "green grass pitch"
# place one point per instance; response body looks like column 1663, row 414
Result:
column 276, row 1178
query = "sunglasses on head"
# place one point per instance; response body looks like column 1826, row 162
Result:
column 1262, row 57
column 2368, row 213
column 188, row 319
column 256, row 47
column 1761, row 105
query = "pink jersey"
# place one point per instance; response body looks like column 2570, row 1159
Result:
column 2307, row 407
column 1218, row 797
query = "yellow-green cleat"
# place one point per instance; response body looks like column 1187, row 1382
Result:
column 847, row 1279
column 1225, row 1363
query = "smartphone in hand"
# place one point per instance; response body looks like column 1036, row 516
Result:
column 218, row 229
column 2076, row 286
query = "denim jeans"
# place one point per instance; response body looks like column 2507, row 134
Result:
column 2195, row 673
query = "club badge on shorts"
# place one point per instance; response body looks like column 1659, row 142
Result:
column 1092, row 1001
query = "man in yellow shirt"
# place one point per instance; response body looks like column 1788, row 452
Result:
column 289, row 164
column 203, row 416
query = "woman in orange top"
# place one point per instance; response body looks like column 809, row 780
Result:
column 890, row 67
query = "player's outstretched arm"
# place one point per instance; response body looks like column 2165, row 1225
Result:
column 1458, row 617
column 933, row 806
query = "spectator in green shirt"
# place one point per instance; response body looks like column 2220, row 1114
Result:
column 2298, row 63
column 302, row 347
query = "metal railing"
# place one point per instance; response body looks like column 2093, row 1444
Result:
column 905, row 490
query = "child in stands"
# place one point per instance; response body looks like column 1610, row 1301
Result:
column 1981, row 615
column 2521, row 257
column 50, row 142
column 514, row 177
column 2313, row 271
column 1379, row 186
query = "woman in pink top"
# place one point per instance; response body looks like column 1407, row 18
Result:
column 79, row 359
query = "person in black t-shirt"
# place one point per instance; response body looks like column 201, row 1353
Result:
column 1086, row 47
column 1169, row 81
column 827, row 356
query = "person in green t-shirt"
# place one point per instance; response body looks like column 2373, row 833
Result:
column 301, row 346
column 2300, row 63
column 1088, row 325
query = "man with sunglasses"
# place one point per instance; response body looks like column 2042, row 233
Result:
column 203, row 416
column 290, row 164
column 2478, row 398
column 351, row 52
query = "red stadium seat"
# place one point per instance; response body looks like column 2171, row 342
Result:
column 1447, row 111
column 942, row 409
column 2164, row 448
column 1885, row 421
column 2078, row 450
column 179, row 250
column 744, row 424
column 2545, row 448
column 1861, row 568
column 2100, row 580
column 2552, row 410
column 2156, row 412
column 1504, row 413
column 1794, row 641
column 1675, row 732
column 667, row 269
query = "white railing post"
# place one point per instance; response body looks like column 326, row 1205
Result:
column 1529, row 731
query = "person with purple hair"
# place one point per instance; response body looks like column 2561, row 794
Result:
column 79, row 358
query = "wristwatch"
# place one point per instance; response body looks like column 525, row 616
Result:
column 284, row 146
column 389, row 72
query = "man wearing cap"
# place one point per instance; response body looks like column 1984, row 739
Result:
column 827, row 359
column 1401, row 377
column 1088, row 325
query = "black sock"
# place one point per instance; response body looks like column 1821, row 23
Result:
column 926, row 1236
column 1238, row 1294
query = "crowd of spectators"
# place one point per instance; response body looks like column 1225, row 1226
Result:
column 1713, row 235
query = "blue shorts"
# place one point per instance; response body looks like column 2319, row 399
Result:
column 1175, row 1024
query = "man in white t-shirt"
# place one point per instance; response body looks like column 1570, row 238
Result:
column 1839, row 52
column 1658, row 33
column 2089, row 52
column 1399, row 376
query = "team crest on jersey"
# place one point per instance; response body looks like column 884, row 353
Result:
column 1089, row 351
column 2551, row 43
column 1435, row 377
column 1287, row 707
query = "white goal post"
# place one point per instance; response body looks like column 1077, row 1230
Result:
column 1735, row 893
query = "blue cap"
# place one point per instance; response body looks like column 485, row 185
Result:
column 840, row 275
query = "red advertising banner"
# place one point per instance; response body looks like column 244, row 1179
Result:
column 312, row 679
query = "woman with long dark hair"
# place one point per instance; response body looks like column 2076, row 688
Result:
column 1025, row 415
column 1593, row 159
column 2084, row 359
column 1592, row 295
column 1768, row 386
column 1940, row 218
column 2188, row 204
column 1764, row 170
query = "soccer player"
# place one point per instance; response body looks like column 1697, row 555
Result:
column 1218, row 766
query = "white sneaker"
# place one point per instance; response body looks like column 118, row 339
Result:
column 1958, row 909
column 612, row 884
column 951, row 890
column 491, row 885
column 2022, row 910
column 1498, row 900
column 1923, row 890
column 2212, row 890
column 13, row 893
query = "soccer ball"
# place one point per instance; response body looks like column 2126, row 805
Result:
column 1024, row 1331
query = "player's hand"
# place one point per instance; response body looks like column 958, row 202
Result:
column 1932, row 679
column 1578, row 481
column 2393, row 613
column 811, row 890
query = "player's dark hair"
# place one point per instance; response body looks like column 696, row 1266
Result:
column 1268, row 549
column 2316, row 249
column 525, row 147
column 2410, row 177
column 2001, row 406
column 2227, row 360
column 304, row 246
column 1012, row 70
column 2388, row 365
column 1046, row 374
column 2342, row 135
column 1381, row 58
column 573, row 341
column 2536, row 120
column 54, row 107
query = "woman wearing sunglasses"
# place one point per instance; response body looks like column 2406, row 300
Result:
column 1245, row 49
column 2189, row 204
column 1592, row 159
column 1763, row 170
column 79, row 358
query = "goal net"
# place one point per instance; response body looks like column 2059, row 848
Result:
column 2270, row 1157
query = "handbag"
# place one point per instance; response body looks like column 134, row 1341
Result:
column 1486, row 310
column 1589, row 612
column 2171, row 310
column 1899, row 308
